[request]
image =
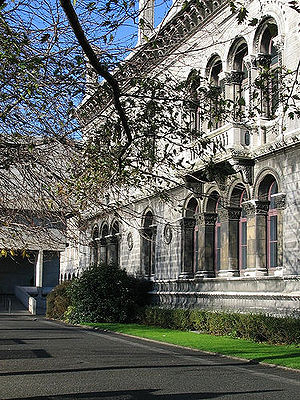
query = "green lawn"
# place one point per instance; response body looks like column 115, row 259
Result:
column 288, row 356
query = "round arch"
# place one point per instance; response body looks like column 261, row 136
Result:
column 275, row 26
column 190, row 206
column 266, row 173
column 233, row 50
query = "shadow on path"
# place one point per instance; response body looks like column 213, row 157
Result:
column 147, row 394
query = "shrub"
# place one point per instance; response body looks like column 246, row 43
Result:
column 257, row 327
column 107, row 293
column 58, row 301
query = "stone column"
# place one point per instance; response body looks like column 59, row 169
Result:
column 39, row 269
column 206, row 245
column 187, row 247
column 257, row 211
column 229, row 219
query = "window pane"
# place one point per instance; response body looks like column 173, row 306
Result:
column 244, row 257
column 218, row 258
column 244, row 233
column 273, row 254
column 273, row 228
column 218, row 237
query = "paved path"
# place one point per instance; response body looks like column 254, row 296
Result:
column 45, row 360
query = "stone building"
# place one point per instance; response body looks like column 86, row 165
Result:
column 229, row 237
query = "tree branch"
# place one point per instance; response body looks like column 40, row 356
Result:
column 99, row 68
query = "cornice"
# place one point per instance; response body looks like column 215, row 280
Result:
column 276, row 146
column 171, row 36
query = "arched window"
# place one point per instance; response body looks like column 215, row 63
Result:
column 103, row 244
column 240, row 83
column 272, row 235
column 193, row 248
column 114, row 243
column 268, row 60
column 243, row 233
column 148, row 244
column 213, row 71
column 268, row 192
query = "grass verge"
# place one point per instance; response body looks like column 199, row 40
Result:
column 287, row 356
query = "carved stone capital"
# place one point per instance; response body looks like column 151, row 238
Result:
column 187, row 223
column 255, row 207
column 263, row 60
column 234, row 77
column 280, row 200
column 250, row 61
column 207, row 219
column 103, row 242
column 234, row 213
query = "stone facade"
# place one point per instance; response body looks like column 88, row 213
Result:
column 223, row 241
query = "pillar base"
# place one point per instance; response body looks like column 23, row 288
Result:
column 227, row 273
column 279, row 271
column 253, row 272
column 204, row 274
column 186, row 275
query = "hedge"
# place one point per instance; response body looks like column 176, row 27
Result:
column 103, row 293
column 257, row 327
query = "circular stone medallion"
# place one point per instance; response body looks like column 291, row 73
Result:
column 130, row 241
column 168, row 233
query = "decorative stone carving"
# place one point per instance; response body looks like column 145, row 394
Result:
column 196, row 188
column 280, row 200
column 245, row 168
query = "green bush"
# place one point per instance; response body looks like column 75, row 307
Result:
column 106, row 293
column 58, row 301
column 257, row 327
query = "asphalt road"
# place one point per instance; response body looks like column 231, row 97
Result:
column 41, row 359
